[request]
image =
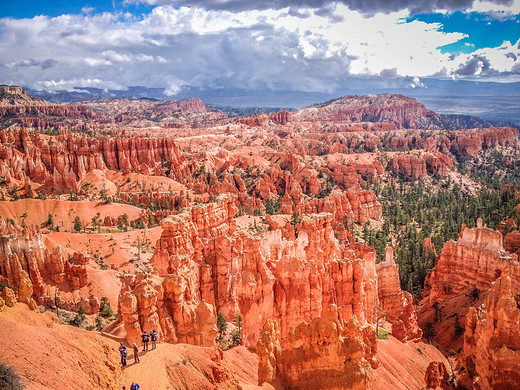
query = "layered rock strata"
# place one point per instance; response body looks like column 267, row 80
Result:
column 325, row 353
column 61, row 162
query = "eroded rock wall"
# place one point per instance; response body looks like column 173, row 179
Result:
column 284, row 273
column 325, row 353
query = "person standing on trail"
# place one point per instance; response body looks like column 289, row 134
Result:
column 146, row 338
column 135, row 386
column 153, row 334
column 136, row 353
column 122, row 351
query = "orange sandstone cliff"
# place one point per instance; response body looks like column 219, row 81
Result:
column 325, row 353
column 290, row 273
column 397, row 304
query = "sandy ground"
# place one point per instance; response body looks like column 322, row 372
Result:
column 127, row 182
column 50, row 356
column 63, row 211
column 402, row 365
column 110, row 254
column 117, row 249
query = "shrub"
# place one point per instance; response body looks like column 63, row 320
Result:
column 9, row 379
column 107, row 311
column 80, row 317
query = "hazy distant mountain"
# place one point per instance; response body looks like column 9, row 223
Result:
column 439, row 111
column 491, row 100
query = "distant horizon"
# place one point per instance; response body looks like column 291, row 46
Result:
column 486, row 106
column 324, row 48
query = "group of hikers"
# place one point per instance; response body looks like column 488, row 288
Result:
column 145, row 337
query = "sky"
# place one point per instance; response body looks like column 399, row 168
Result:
column 276, row 45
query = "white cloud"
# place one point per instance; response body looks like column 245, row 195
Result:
column 87, row 10
column 416, row 83
column 112, row 56
column 305, row 50
column 73, row 84
column 495, row 9
column 97, row 62
column 173, row 89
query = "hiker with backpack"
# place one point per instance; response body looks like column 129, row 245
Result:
column 136, row 353
column 153, row 334
column 135, row 386
column 146, row 338
column 122, row 351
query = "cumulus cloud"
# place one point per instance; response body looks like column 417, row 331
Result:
column 416, row 83
column 313, row 48
column 497, row 9
column 173, row 88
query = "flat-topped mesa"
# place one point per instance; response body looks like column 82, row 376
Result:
column 190, row 104
column 12, row 90
column 492, row 340
column 404, row 112
column 22, row 250
column 325, row 353
column 61, row 161
column 473, row 262
column 397, row 304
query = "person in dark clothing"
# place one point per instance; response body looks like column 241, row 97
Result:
column 153, row 335
column 136, row 353
column 146, row 338
column 122, row 351
column 135, row 386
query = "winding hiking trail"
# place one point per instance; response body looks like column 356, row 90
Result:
column 181, row 366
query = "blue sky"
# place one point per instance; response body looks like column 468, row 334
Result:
column 291, row 45
column 31, row 8
column 482, row 30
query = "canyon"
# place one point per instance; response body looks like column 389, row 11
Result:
column 166, row 215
